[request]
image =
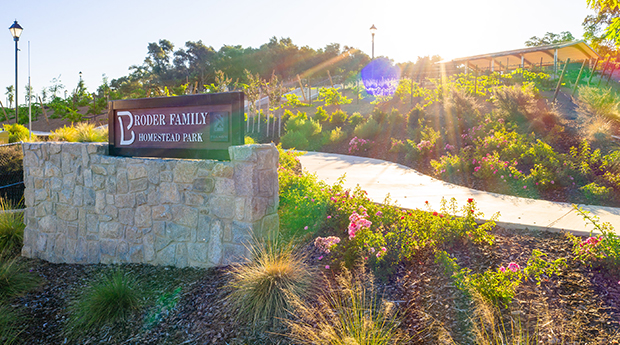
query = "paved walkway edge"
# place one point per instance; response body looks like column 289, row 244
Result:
column 410, row 189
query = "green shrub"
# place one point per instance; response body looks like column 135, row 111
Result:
column 594, row 192
column 355, row 119
column 288, row 160
column 338, row 118
column 397, row 146
column 336, row 135
column 303, row 205
column 15, row 278
column 18, row 133
column 368, row 129
column 11, row 227
column 112, row 298
column 302, row 133
column 321, row 115
column 348, row 313
column 395, row 118
column 331, row 96
column 285, row 116
column 378, row 115
column 296, row 139
column 261, row 291
column 415, row 115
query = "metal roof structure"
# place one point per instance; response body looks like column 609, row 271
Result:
column 548, row 55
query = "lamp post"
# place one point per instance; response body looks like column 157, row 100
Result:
column 373, row 29
column 16, row 31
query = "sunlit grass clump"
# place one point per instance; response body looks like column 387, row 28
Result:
column 262, row 289
column 82, row 132
column 11, row 227
column 349, row 312
column 112, row 298
column 603, row 103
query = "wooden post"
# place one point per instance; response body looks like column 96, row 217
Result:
column 303, row 92
column 44, row 112
column 268, row 117
column 578, row 76
column 6, row 118
column 330, row 79
column 603, row 73
column 592, row 72
column 557, row 88
column 196, row 87
column 611, row 73
column 260, row 95
column 476, row 84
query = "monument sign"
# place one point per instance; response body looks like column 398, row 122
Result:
column 195, row 126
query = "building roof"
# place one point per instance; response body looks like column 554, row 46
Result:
column 532, row 56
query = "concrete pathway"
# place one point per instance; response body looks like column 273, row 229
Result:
column 410, row 189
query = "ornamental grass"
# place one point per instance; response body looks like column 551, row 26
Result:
column 112, row 298
column 11, row 227
column 262, row 289
column 348, row 312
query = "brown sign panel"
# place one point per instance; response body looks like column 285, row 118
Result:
column 194, row 126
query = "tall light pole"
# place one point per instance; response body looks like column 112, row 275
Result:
column 16, row 31
column 373, row 29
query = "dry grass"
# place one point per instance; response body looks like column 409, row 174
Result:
column 348, row 313
column 262, row 289
column 596, row 102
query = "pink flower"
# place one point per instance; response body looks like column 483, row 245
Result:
column 372, row 250
column 524, row 187
column 306, row 227
column 503, row 269
column 326, row 267
column 328, row 217
column 379, row 254
column 552, row 182
column 321, row 257
column 513, row 266
column 379, row 213
column 384, row 249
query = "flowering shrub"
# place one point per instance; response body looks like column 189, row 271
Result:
column 326, row 244
column 359, row 145
column 358, row 223
column 602, row 249
column 397, row 146
column 498, row 285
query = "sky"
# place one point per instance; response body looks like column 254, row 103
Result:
column 106, row 37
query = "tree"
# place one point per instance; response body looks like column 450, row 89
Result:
column 56, row 86
column 601, row 29
column 10, row 93
column 550, row 38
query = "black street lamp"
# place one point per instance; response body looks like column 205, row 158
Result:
column 16, row 31
column 373, row 29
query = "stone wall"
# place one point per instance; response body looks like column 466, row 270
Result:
column 84, row 206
